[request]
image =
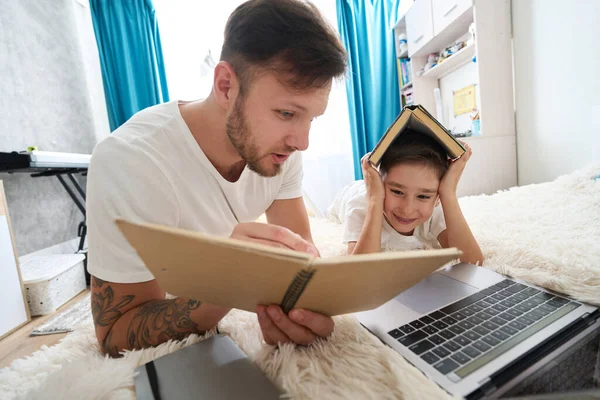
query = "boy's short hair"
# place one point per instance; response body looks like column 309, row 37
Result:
column 289, row 37
column 416, row 148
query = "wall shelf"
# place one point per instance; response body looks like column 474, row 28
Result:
column 455, row 61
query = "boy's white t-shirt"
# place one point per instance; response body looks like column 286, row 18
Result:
column 424, row 236
column 153, row 170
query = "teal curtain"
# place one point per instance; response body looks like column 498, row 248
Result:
column 365, row 27
column 131, row 57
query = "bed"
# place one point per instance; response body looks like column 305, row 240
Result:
column 547, row 234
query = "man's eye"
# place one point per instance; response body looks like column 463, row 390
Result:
column 286, row 114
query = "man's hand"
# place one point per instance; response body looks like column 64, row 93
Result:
column 299, row 326
column 273, row 235
column 449, row 182
column 373, row 181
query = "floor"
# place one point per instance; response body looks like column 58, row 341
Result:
column 19, row 344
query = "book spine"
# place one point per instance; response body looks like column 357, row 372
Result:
column 400, row 75
column 296, row 289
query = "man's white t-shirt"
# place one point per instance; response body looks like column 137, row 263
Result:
column 153, row 170
column 424, row 236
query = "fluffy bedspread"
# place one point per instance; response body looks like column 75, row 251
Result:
column 546, row 234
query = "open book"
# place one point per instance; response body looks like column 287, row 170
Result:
column 418, row 119
column 240, row 274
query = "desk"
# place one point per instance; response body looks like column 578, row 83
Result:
column 46, row 163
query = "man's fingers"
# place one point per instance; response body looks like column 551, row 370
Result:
column 265, row 242
column 261, row 313
column 300, row 326
column 249, row 229
column 318, row 324
column 271, row 333
column 272, row 233
column 296, row 332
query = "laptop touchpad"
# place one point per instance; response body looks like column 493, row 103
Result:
column 434, row 292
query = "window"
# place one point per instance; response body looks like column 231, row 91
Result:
column 191, row 30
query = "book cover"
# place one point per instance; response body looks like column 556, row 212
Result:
column 242, row 274
column 417, row 118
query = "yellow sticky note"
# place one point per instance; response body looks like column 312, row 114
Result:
column 464, row 100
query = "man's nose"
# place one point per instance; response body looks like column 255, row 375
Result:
column 299, row 139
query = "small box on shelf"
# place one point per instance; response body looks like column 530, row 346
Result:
column 407, row 97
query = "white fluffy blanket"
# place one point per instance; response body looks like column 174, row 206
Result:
column 546, row 234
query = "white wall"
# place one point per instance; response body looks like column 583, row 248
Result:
column 50, row 97
column 557, row 86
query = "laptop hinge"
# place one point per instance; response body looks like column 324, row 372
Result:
column 589, row 319
column 487, row 387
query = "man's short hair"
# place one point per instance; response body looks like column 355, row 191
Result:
column 289, row 37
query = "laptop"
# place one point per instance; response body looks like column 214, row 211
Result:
column 471, row 330
column 212, row 369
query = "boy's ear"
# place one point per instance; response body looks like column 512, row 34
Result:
column 437, row 201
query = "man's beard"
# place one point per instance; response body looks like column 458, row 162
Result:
column 242, row 139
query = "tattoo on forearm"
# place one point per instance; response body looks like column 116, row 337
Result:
column 108, row 347
column 158, row 321
column 153, row 322
column 97, row 281
column 105, row 308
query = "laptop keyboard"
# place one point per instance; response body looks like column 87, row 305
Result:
column 465, row 335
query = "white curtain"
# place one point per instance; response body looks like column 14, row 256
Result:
column 190, row 29
column 91, row 63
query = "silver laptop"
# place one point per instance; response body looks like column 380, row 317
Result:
column 467, row 327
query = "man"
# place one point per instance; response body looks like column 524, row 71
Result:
column 214, row 166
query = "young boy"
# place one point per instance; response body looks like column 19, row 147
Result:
column 398, row 210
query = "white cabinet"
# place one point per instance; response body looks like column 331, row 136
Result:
column 432, row 25
column 419, row 25
column 447, row 11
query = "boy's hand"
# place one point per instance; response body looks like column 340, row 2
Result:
column 449, row 182
column 373, row 181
